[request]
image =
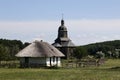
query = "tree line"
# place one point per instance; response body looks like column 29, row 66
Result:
column 8, row 48
column 110, row 49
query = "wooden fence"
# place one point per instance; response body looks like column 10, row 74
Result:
column 83, row 63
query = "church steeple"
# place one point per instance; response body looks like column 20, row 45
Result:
column 62, row 22
column 62, row 31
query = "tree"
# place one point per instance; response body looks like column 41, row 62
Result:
column 8, row 48
column 80, row 52
column 100, row 55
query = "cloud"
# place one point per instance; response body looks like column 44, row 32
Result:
column 28, row 31
column 95, row 25
column 81, row 32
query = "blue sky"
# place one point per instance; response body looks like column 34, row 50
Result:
column 52, row 9
column 88, row 21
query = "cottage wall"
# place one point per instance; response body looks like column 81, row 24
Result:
column 37, row 60
column 22, row 60
column 58, row 62
column 55, row 61
column 32, row 62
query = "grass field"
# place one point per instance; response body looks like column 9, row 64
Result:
column 109, row 71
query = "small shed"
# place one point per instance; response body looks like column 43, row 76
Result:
column 39, row 54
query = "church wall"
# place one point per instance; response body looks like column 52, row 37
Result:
column 67, row 51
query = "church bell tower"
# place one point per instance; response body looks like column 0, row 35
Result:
column 62, row 34
column 63, row 43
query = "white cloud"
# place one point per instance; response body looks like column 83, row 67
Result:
column 95, row 25
column 82, row 31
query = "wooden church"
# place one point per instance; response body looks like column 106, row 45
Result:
column 63, row 43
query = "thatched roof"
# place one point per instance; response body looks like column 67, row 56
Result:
column 40, row 49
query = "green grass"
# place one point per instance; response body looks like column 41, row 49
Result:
column 109, row 71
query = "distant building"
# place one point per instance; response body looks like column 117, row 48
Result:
column 63, row 43
column 39, row 54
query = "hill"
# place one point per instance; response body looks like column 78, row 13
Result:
column 110, row 48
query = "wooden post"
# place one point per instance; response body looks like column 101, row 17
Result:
column 57, row 61
column 50, row 62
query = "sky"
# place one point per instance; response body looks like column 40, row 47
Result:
column 87, row 21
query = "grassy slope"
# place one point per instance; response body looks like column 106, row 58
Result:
column 103, row 72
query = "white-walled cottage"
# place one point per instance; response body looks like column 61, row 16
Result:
column 39, row 54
